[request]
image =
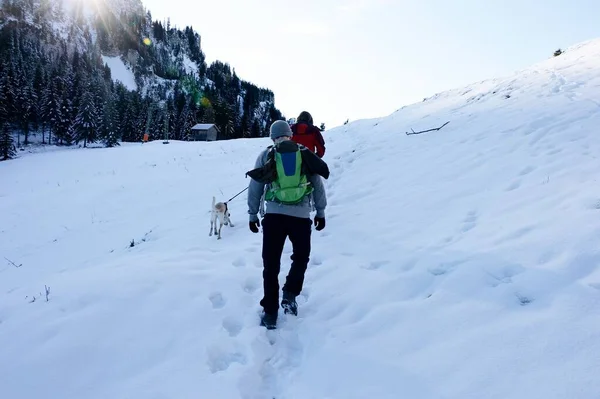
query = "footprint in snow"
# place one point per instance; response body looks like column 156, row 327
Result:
column 232, row 326
column 547, row 256
column 409, row 265
column 516, row 234
column 251, row 249
column 556, row 151
column 377, row 264
column 305, row 294
column 527, row 170
column 444, row 268
column 595, row 205
column 251, row 285
column 514, row 185
column 448, row 239
column 469, row 222
column 217, row 300
column 316, row 261
column 524, row 300
column 219, row 359
column 239, row 262
column 537, row 138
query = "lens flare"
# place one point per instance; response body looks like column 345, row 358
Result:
column 205, row 102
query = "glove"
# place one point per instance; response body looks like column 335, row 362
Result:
column 319, row 223
column 254, row 226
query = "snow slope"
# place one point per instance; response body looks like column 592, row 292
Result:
column 462, row 263
column 120, row 72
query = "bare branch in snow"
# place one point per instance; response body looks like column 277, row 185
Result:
column 13, row 263
column 425, row 131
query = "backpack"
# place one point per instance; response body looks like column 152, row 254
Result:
column 290, row 185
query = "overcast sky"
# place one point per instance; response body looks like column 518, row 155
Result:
column 354, row 59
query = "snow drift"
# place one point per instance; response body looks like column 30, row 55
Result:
column 457, row 263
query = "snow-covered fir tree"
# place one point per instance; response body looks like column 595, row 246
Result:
column 7, row 146
column 110, row 125
column 87, row 122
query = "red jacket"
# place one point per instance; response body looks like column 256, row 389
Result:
column 310, row 137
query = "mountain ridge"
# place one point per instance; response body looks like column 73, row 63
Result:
column 44, row 40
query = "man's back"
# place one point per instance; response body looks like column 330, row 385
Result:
column 315, row 168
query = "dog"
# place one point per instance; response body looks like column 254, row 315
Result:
column 220, row 212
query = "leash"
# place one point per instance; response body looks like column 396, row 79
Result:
column 237, row 195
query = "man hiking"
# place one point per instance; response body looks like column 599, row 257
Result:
column 287, row 173
column 307, row 134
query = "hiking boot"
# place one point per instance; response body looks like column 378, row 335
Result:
column 288, row 303
column 269, row 320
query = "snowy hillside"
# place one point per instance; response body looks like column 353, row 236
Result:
column 460, row 263
column 120, row 72
column 147, row 76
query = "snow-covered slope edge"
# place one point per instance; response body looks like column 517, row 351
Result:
column 455, row 264
column 486, row 233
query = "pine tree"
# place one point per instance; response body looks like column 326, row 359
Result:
column 7, row 145
column 255, row 129
column 64, row 132
column 25, row 107
column 3, row 104
column 110, row 133
column 86, row 122
column 51, row 109
column 189, row 120
column 63, row 77
column 246, row 126
column 208, row 113
column 9, row 76
column 128, row 106
column 37, row 91
column 140, row 119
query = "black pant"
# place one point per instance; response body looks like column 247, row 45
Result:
column 276, row 228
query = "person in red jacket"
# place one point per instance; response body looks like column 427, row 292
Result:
column 307, row 134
